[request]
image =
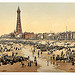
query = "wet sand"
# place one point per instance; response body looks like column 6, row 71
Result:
column 42, row 62
column 66, row 67
column 62, row 67
column 16, row 67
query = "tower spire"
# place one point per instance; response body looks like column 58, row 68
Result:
column 18, row 8
column 18, row 26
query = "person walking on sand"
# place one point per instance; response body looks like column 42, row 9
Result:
column 34, row 49
column 33, row 53
column 41, row 52
column 30, row 63
column 61, row 53
column 38, row 53
column 22, row 64
column 35, row 58
column 47, row 62
column 36, row 63
column 31, row 48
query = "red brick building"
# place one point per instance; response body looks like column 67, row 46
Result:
column 28, row 35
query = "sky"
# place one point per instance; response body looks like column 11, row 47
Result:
column 37, row 17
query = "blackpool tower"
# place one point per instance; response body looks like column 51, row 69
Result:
column 18, row 26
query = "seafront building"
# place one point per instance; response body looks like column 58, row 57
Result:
column 28, row 35
column 63, row 36
column 18, row 33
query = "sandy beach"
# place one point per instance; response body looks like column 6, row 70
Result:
column 43, row 65
column 17, row 67
column 62, row 67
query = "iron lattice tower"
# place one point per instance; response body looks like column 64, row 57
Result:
column 18, row 26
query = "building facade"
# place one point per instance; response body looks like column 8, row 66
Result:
column 28, row 35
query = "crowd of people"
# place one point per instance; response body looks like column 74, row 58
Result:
column 49, row 47
column 13, row 47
